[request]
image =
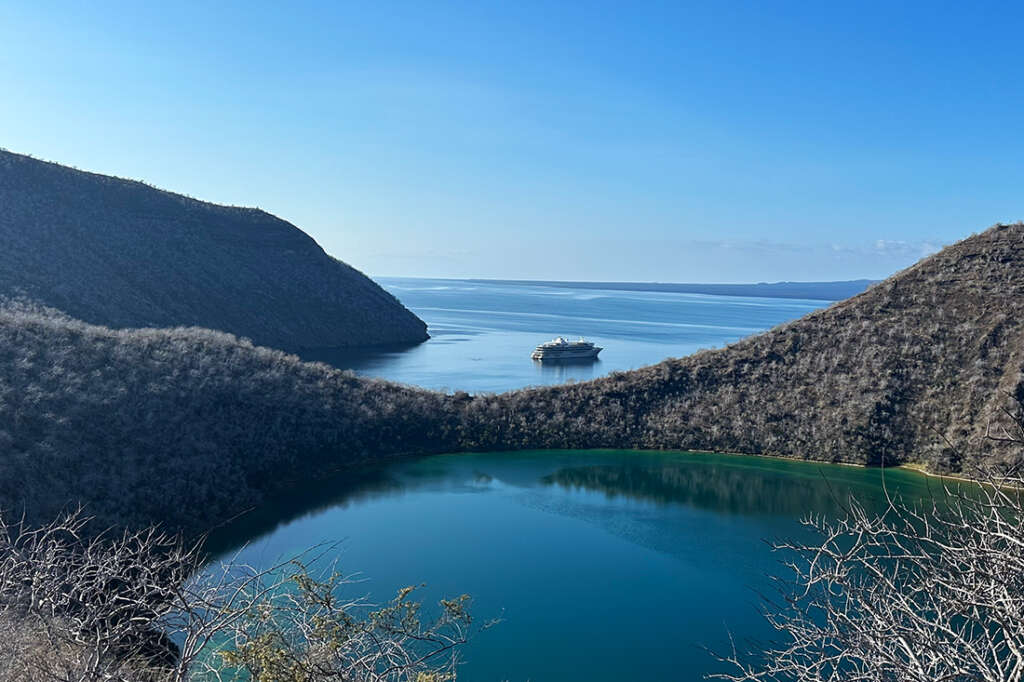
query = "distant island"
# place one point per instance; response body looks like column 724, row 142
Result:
column 818, row 291
column 122, row 254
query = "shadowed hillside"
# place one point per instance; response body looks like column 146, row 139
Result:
column 122, row 254
column 913, row 370
column 189, row 426
column 182, row 426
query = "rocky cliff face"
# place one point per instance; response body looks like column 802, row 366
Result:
column 122, row 254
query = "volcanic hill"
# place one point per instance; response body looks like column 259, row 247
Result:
column 187, row 427
column 122, row 254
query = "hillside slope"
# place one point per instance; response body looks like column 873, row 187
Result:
column 188, row 427
column 183, row 427
column 122, row 254
column 913, row 370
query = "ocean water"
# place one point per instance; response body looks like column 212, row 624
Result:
column 482, row 333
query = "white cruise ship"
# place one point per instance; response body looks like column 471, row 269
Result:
column 561, row 349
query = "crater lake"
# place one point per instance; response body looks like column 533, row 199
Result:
column 601, row 565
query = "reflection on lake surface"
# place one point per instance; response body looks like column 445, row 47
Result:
column 606, row 565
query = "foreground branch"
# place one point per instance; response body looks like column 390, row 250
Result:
column 141, row 607
column 915, row 594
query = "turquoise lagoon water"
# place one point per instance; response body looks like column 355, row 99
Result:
column 603, row 565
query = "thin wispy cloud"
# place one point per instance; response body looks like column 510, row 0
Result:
column 890, row 248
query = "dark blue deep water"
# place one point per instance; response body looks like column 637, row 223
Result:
column 604, row 565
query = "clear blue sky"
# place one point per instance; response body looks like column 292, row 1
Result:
column 607, row 141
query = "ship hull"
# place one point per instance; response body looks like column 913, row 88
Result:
column 567, row 354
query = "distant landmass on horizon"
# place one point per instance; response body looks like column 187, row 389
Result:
column 821, row 291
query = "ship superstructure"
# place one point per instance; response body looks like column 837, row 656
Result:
column 563, row 349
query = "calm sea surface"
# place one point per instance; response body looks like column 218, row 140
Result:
column 482, row 334
column 603, row 565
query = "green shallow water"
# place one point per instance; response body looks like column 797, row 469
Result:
column 604, row 565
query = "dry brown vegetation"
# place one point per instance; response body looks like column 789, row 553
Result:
column 132, row 607
column 182, row 427
column 916, row 369
column 919, row 592
column 187, row 427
